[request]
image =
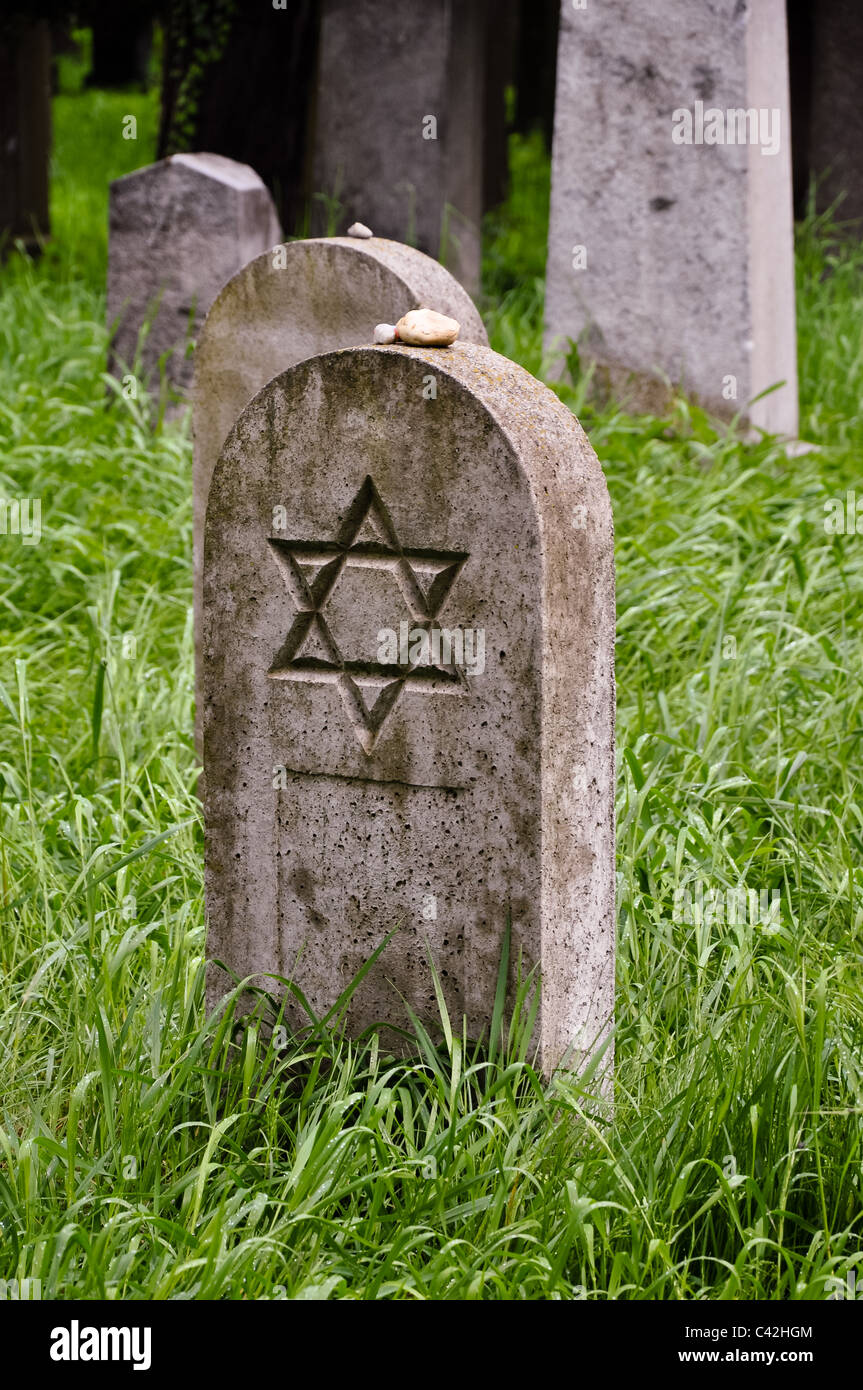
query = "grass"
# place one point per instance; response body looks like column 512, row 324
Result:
column 144, row 1157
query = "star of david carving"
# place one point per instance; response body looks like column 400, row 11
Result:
column 311, row 571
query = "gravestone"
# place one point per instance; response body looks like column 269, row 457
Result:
column 399, row 124
column 25, row 131
column 671, row 237
column 178, row 230
column 826, row 81
column 408, row 693
column 304, row 298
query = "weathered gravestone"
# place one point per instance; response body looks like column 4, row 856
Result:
column 178, row 230
column 298, row 300
column 671, row 235
column 408, row 692
column 25, row 130
column 399, row 123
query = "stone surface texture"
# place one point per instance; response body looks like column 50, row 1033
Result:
column 385, row 66
column 177, row 231
column 321, row 294
column 343, row 798
column 690, row 273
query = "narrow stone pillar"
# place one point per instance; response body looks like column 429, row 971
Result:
column 671, row 237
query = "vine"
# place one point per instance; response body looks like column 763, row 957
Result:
column 199, row 33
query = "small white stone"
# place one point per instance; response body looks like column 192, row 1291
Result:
column 427, row 328
column 385, row 333
column 359, row 229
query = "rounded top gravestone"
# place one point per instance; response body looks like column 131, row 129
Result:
column 408, row 692
column 299, row 299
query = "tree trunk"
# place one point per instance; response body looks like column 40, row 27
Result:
column 501, row 27
column 25, row 132
column 122, row 43
column 536, row 66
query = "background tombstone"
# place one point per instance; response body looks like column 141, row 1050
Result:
column 399, row 123
column 307, row 298
column 667, row 258
column 346, row 792
column 178, row 230
column 826, row 53
column 25, row 129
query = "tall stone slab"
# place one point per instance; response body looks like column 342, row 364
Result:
column 304, row 298
column 399, row 123
column 177, row 231
column 671, row 235
column 360, row 778
column 25, row 130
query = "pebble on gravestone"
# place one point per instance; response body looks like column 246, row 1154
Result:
column 419, row 328
column 408, row 693
column 300, row 299
column 671, row 255
column 179, row 230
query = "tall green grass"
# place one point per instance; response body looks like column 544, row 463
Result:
column 142, row 1155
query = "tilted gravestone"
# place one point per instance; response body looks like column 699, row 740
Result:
column 408, row 692
column 399, row 123
column 298, row 300
column 178, row 230
column 671, row 236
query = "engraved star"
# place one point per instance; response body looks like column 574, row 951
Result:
column 310, row 631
